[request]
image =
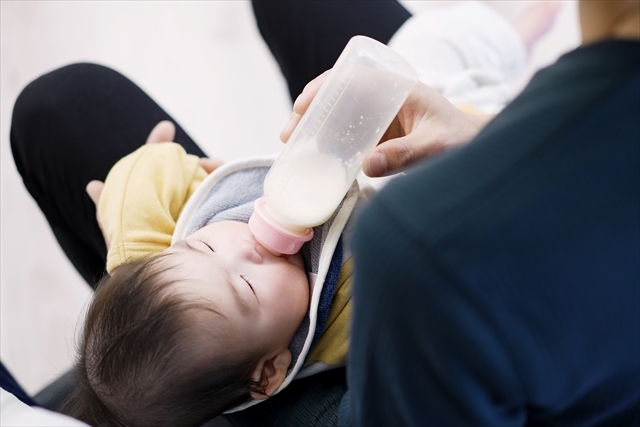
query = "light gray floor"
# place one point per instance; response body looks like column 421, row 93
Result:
column 205, row 63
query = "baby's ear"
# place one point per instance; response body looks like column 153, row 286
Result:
column 270, row 373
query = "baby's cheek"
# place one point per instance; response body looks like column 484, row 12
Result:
column 303, row 295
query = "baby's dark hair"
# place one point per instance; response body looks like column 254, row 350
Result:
column 149, row 356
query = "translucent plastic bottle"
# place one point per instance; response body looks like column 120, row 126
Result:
column 345, row 121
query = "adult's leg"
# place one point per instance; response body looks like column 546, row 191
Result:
column 69, row 127
column 306, row 37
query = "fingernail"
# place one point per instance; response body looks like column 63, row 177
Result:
column 377, row 164
column 296, row 102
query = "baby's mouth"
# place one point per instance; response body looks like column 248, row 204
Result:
column 267, row 250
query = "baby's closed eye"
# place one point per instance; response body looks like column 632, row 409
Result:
column 206, row 244
column 249, row 283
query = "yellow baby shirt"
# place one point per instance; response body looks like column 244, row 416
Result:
column 140, row 203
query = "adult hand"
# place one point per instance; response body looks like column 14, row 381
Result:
column 426, row 125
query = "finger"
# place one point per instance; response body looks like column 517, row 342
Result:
column 301, row 104
column 309, row 92
column 375, row 164
column 388, row 158
column 94, row 190
column 288, row 129
column 396, row 154
column 209, row 165
column 165, row 131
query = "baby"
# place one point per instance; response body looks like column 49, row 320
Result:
column 208, row 323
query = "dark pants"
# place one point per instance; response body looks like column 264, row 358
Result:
column 306, row 37
column 72, row 125
column 8, row 383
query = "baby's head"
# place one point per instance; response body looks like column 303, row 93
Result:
column 185, row 335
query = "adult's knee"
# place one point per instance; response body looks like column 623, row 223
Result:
column 58, row 93
column 54, row 98
column 51, row 109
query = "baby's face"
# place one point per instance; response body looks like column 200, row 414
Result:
column 262, row 296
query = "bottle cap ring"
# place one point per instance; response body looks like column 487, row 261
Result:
column 272, row 235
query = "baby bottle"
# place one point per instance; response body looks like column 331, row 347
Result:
column 354, row 107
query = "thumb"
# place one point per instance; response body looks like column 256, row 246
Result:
column 396, row 154
column 389, row 157
column 94, row 190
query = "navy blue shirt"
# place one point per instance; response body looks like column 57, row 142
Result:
column 500, row 284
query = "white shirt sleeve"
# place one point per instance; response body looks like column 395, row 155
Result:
column 13, row 412
column 468, row 52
